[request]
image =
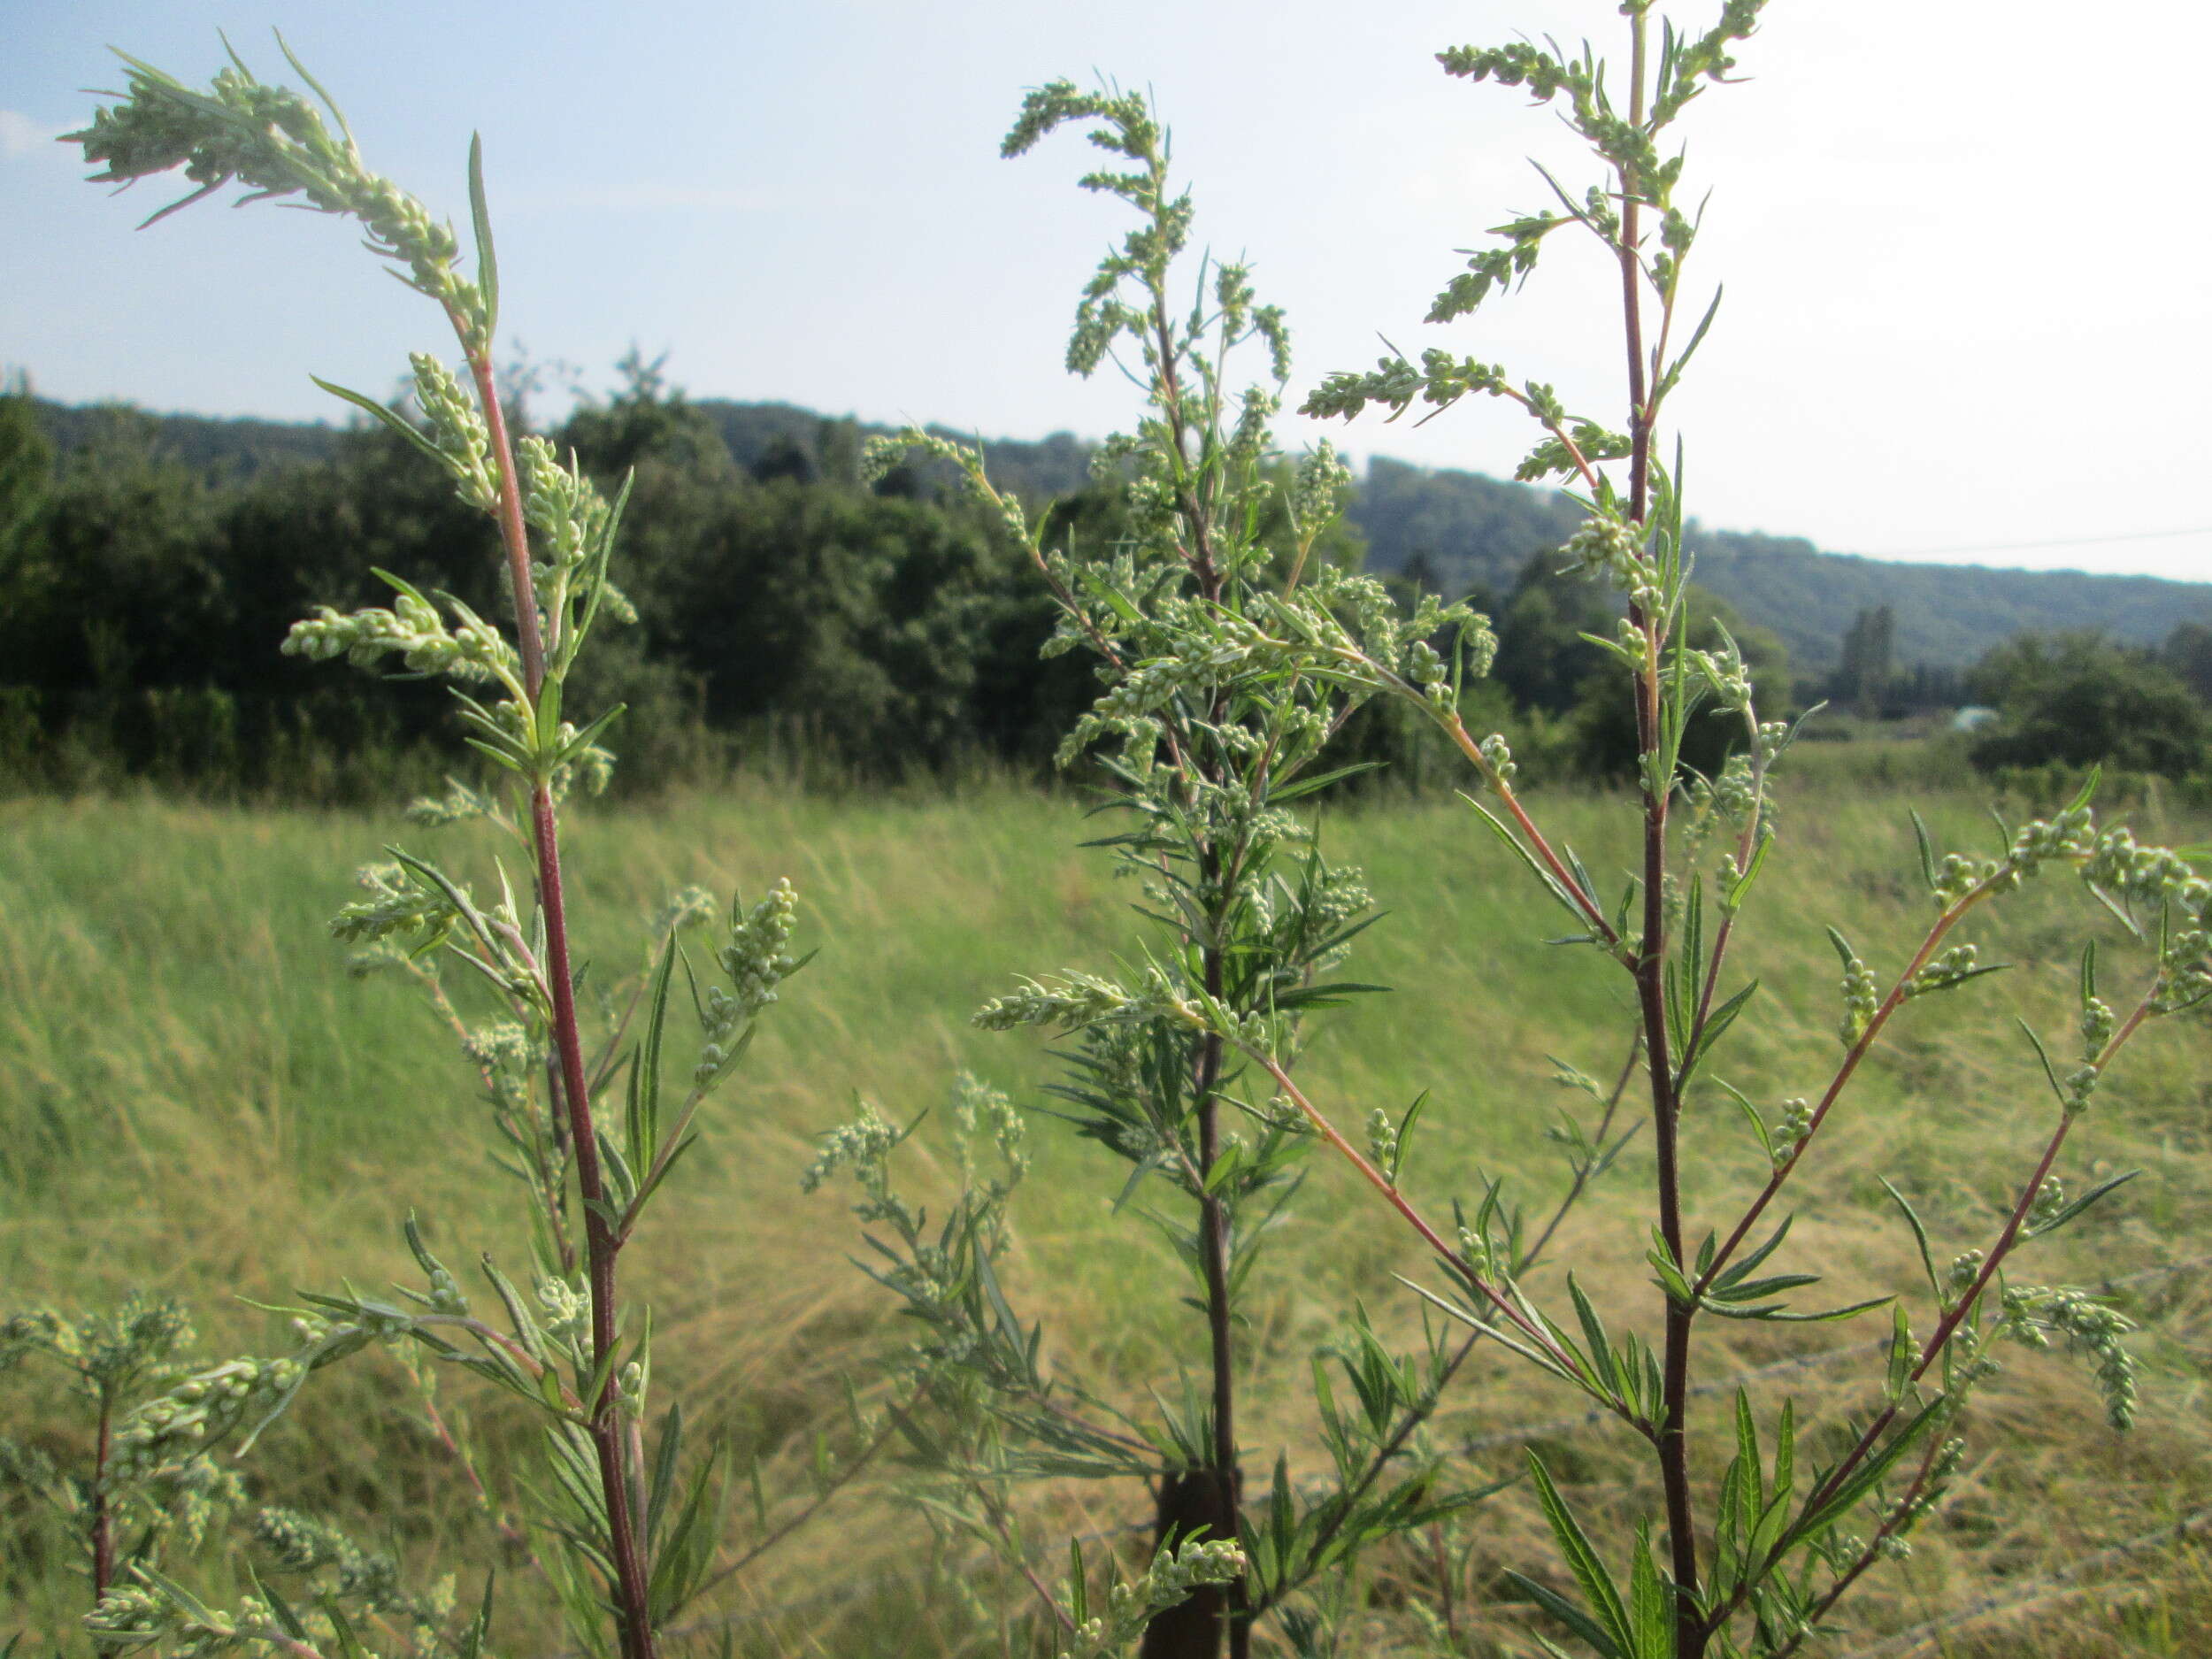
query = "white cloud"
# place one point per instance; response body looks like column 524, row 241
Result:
column 21, row 135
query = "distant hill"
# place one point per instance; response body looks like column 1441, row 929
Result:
column 1472, row 532
column 221, row 448
column 1461, row 531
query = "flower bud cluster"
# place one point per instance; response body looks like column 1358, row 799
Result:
column 1424, row 667
column 863, row 1146
column 1497, row 756
column 978, row 1110
column 1797, row 1123
column 457, row 431
column 1727, row 674
column 2182, row 984
column 503, row 1048
column 199, row 1411
column 687, row 907
column 1317, row 493
column 1958, row 875
column 2097, row 1022
column 2038, row 841
column 459, row 805
column 1340, row 895
column 474, row 650
column 298, row 1543
column 1168, row 1580
column 1610, row 547
column 2034, row 1314
column 1860, row 1001
column 1480, row 1252
column 2143, row 875
column 1070, row 1000
column 154, row 1614
column 106, row 1351
column 1953, row 966
column 397, row 905
column 629, row 1390
column 274, row 141
column 1774, row 737
column 1965, row 1269
column 2077, row 1086
column 2050, row 1198
column 1736, row 791
column 559, row 502
column 567, row 1309
column 1382, row 1140
column 758, row 959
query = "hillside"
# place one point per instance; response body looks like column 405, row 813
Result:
column 1463, row 531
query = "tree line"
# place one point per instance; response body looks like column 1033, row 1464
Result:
column 791, row 615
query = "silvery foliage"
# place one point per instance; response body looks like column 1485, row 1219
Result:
column 1208, row 727
column 619, row 1531
column 1795, row 1521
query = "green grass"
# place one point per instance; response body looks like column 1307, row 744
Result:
column 194, row 1098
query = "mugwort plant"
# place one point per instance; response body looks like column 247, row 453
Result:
column 1207, row 731
column 1750, row 1557
column 625, row 1525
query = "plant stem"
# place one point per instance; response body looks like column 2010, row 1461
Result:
column 1671, row 1439
column 1225, row 1606
column 1945, row 1328
column 1548, row 1349
column 1836, row 1084
column 600, row 1246
column 103, row 1523
column 1869, row 1556
column 1584, row 1172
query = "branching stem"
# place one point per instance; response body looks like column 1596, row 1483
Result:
column 600, row 1243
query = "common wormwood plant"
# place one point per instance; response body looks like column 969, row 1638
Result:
column 625, row 1524
column 1208, row 731
column 1751, row 1555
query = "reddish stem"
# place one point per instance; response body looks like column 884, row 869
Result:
column 1857, row 1052
column 601, row 1246
column 103, row 1522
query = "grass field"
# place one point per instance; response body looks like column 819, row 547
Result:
column 196, row 1099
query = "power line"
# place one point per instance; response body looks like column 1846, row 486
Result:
column 2022, row 547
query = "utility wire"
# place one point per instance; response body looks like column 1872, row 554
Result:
column 2022, row 547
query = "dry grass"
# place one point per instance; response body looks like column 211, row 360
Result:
column 194, row 1098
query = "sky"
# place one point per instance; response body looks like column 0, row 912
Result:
column 1964, row 245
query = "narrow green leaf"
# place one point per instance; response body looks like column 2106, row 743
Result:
column 1567, row 1614
column 2050, row 1073
column 2080, row 1204
column 397, row 422
column 1582, row 1560
column 480, row 217
column 1750, row 1264
column 1919, row 1235
column 1757, row 1124
column 1927, row 849
column 1651, row 1602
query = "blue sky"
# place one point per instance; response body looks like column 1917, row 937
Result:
column 1963, row 244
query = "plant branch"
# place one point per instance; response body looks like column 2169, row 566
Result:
column 1857, row 1052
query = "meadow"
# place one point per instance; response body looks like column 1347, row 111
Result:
column 195, row 1094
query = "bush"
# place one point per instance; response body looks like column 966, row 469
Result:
column 2078, row 700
